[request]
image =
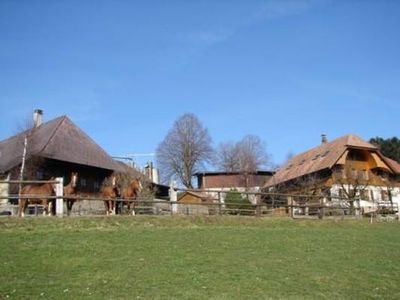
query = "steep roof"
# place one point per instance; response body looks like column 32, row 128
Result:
column 393, row 164
column 58, row 139
column 200, row 195
column 325, row 156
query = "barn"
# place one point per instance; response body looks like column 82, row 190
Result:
column 56, row 148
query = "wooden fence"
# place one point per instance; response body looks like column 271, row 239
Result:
column 265, row 204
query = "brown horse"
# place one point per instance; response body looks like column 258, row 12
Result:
column 110, row 192
column 39, row 194
column 131, row 192
column 70, row 190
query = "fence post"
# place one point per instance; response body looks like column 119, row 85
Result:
column 321, row 212
column 291, row 208
column 258, row 205
column 173, row 197
column 60, row 199
column 219, row 203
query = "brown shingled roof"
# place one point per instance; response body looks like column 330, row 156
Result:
column 58, row 139
column 325, row 156
column 393, row 164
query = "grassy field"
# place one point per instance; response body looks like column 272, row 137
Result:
column 198, row 258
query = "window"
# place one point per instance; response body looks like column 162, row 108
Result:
column 384, row 195
column 40, row 175
column 302, row 162
column 364, row 195
column 83, row 182
column 316, row 157
column 96, row 185
column 325, row 153
column 356, row 155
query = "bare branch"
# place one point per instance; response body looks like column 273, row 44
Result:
column 184, row 150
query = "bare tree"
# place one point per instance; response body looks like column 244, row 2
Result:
column 353, row 183
column 184, row 150
column 252, row 154
column 245, row 157
column 228, row 157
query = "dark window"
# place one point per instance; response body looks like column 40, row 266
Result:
column 364, row 195
column 357, row 155
column 83, row 182
column 325, row 153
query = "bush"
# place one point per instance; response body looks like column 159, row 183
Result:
column 237, row 205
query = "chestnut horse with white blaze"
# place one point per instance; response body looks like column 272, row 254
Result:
column 70, row 190
column 39, row 195
column 131, row 192
column 110, row 192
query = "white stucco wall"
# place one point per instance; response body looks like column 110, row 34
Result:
column 377, row 195
column 4, row 190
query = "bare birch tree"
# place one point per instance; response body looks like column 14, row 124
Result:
column 184, row 150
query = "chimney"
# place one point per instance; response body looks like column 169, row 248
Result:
column 37, row 118
column 324, row 139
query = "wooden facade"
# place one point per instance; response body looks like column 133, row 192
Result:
column 217, row 180
column 346, row 168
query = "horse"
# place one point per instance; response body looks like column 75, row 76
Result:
column 70, row 190
column 110, row 192
column 39, row 194
column 131, row 192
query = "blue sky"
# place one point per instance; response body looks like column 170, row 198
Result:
column 123, row 71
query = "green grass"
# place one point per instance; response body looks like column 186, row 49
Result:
column 198, row 258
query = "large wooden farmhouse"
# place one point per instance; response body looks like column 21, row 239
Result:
column 57, row 148
column 346, row 168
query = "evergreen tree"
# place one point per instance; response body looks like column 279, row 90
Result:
column 389, row 147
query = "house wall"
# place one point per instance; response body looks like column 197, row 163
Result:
column 231, row 180
column 374, row 194
column 4, row 190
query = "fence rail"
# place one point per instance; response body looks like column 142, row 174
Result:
column 266, row 203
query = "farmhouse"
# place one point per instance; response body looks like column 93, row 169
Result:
column 227, row 181
column 56, row 148
column 346, row 168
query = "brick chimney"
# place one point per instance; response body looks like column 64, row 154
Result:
column 37, row 118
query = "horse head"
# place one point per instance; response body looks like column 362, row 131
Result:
column 74, row 179
column 113, row 181
column 137, row 184
column 53, row 185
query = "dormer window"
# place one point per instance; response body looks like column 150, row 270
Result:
column 357, row 155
